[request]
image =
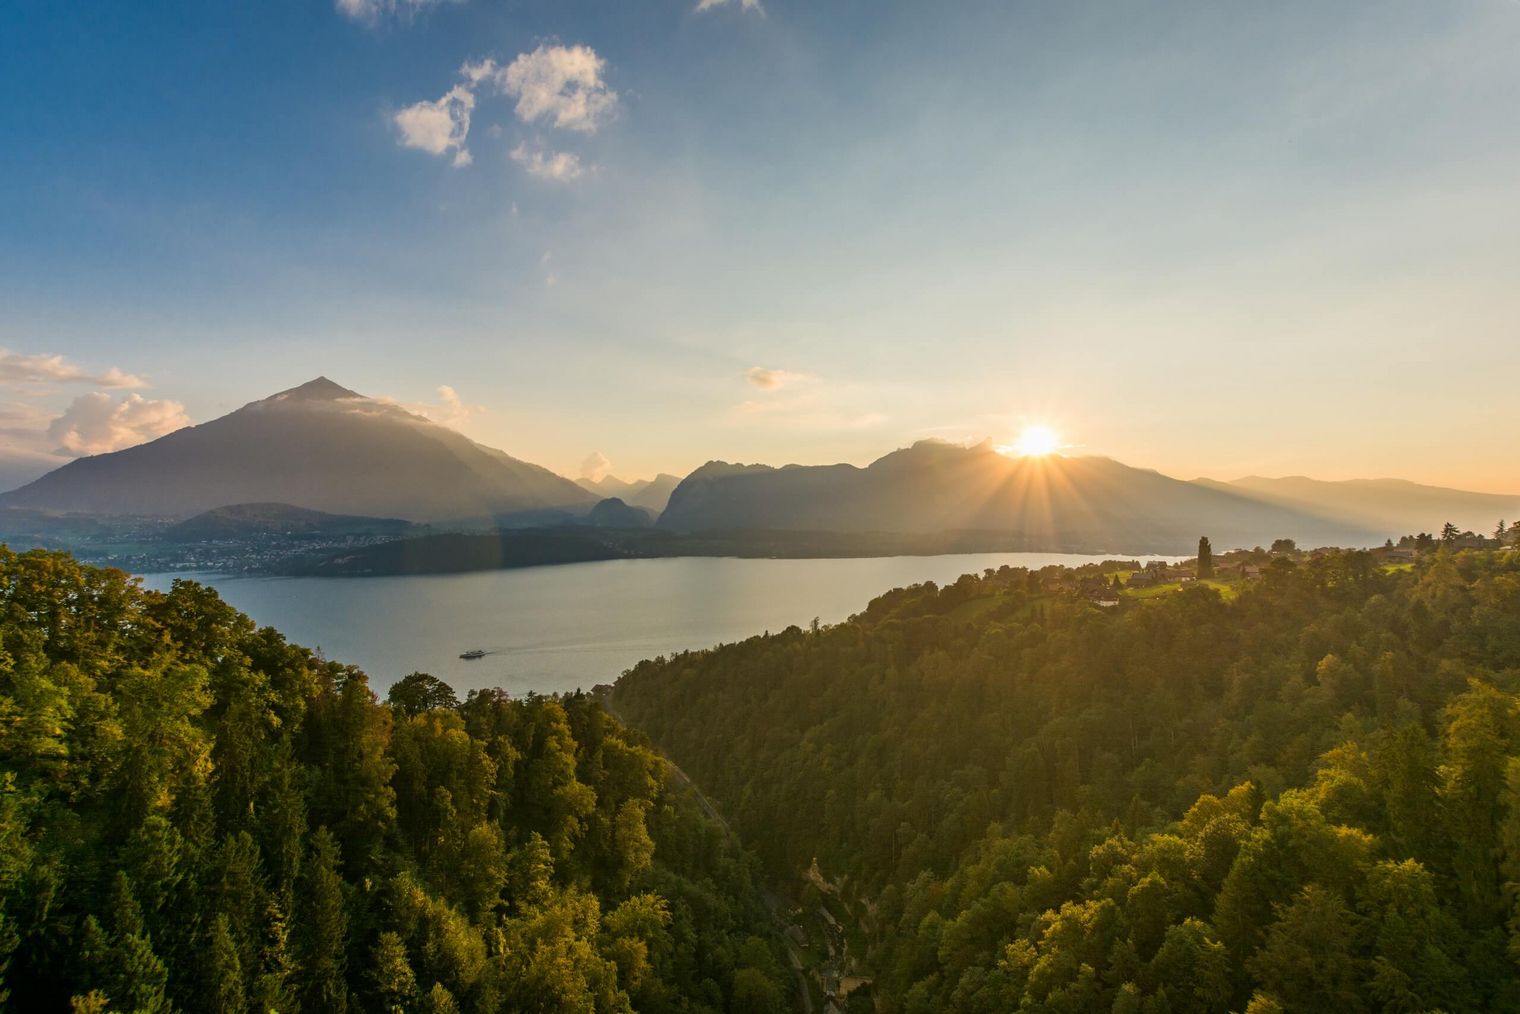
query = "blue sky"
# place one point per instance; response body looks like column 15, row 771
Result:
column 1211, row 238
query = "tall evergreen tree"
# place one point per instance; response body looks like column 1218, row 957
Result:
column 325, row 928
column 224, row 971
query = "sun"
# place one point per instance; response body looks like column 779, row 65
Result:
column 1036, row 441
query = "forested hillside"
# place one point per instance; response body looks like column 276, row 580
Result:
column 1305, row 798
column 198, row 816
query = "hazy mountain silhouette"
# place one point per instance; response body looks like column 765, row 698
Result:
column 1392, row 505
column 614, row 513
column 318, row 446
column 651, row 494
column 247, row 520
column 655, row 496
column 1089, row 503
column 610, row 486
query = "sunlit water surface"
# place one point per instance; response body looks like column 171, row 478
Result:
column 550, row 629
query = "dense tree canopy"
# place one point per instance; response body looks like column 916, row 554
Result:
column 1305, row 797
column 196, row 815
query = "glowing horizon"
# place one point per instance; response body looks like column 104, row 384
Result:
column 1209, row 245
column 1037, row 440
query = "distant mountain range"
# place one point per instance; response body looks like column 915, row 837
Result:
column 318, row 446
column 1089, row 503
column 322, row 459
column 1394, row 506
column 650, row 494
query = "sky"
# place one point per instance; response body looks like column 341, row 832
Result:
column 1211, row 238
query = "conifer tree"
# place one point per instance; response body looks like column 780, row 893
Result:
column 325, row 927
column 274, row 988
column 439, row 1001
column 224, row 972
column 394, row 982
column 124, row 965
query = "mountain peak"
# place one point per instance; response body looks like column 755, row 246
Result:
column 320, row 447
column 320, row 389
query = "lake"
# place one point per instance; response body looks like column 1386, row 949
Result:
column 551, row 629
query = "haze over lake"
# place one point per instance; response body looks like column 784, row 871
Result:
column 551, row 629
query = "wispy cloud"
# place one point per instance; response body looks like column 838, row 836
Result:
column 802, row 401
column 773, row 380
column 372, row 11
column 596, row 466
column 16, row 368
column 96, row 423
column 449, row 410
column 561, row 166
column 746, row 5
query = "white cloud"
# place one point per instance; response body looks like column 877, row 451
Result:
column 371, row 11
column 35, row 439
column 449, row 410
column 441, row 126
column 478, row 71
column 548, row 165
column 16, row 368
column 452, row 410
column 558, row 85
column 596, row 466
column 95, row 423
column 747, row 5
column 561, row 85
column 774, row 380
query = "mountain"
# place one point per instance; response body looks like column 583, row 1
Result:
column 654, row 495
column 1077, row 503
column 247, row 520
column 318, row 446
column 651, row 494
column 611, row 485
column 614, row 513
column 1392, row 505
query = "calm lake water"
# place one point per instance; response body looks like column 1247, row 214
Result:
column 560, row 628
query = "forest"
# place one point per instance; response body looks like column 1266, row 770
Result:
column 1303, row 796
column 196, row 815
column 1300, row 795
